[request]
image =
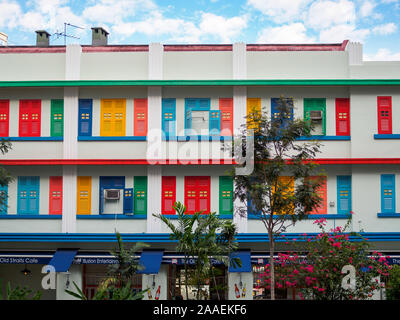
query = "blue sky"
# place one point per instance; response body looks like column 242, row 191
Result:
column 375, row 23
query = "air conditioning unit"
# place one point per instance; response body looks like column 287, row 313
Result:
column 111, row 194
column 316, row 115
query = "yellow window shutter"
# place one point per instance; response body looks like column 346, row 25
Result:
column 106, row 123
column 119, row 117
column 286, row 184
column 253, row 106
column 84, row 190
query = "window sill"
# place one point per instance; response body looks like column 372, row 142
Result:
column 33, row 138
column 386, row 136
column 125, row 138
column 31, row 216
column 389, row 215
column 325, row 138
column 309, row 217
column 111, row 216
column 198, row 138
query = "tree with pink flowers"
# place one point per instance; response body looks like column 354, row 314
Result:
column 317, row 273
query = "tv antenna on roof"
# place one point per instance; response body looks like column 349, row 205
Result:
column 65, row 35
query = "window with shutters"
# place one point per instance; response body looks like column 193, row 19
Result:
column 4, row 117
column 344, row 194
column 28, row 195
column 277, row 108
column 226, row 109
column 56, row 195
column 286, row 186
column 84, row 194
column 225, row 195
column 57, row 118
column 140, row 197
column 85, row 117
column 169, row 117
column 384, row 115
column 168, row 191
column 200, row 119
column 197, row 194
column 343, row 117
column 113, row 114
column 388, row 194
column 322, row 193
column 140, row 117
column 3, row 199
column 315, row 112
column 253, row 112
column 29, row 118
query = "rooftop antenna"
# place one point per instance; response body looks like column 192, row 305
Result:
column 65, row 35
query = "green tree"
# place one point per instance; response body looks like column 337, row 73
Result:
column 20, row 293
column 393, row 285
column 277, row 153
column 5, row 177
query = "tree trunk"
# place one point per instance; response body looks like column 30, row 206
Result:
column 272, row 263
column 186, row 280
column 215, row 283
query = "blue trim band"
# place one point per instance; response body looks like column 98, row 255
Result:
column 389, row 215
column 386, row 136
column 197, row 138
column 325, row 138
column 31, row 216
column 111, row 217
column 175, row 217
column 126, row 138
column 33, row 138
column 309, row 217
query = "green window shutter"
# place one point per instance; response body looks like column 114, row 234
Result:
column 318, row 104
column 140, row 189
column 225, row 195
column 57, row 118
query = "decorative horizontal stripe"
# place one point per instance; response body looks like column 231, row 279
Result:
column 231, row 82
column 126, row 138
column 198, row 47
column 175, row 217
column 32, row 49
column 42, row 162
column 116, row 48
column 164, row 237
column 31, row 216
column 325, row 138
column 309, row 217
column 386, row 136
column 389, row 215
column 298, row 47
column 111, row 217
column 199, row 138
column 33, row 138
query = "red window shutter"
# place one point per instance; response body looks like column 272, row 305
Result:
column 322, row 192
column 226, row 107
column 343, row 117
column 384, row 115
column 55, row 206
column 4, row 117
column 140, row 117
column 29, row 118
column 197, row 194
column 35, row 118
column 190, row 194
column 168, row 194
column 204, row 194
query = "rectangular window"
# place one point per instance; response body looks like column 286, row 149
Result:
column 29, row 118
column 108, row 204
column 113, row 114
column 343, row 117
column 388, row 194
column 226, row 108
column 85, row 117
column 169, row 117
column 322, row 192
column 344, row 194
column 276, row 109
column 384, row 115
column 84, row 194
column 140, row 189
column 140, row 117
column 57, row 118
column 28, row 195
column 197, row 194
column 56, row 195
column 315, row 111
column 253, row 110
column 168, row 195
column 3, row 199
column 4, row 117
column 225, row 195
column 286, row 185
column 128, row 200
column 197, row 116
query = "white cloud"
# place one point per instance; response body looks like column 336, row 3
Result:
column 341, row 32
column 323, row 14
column 383, row 55
column 291, row 33
column 9, row 13
column 367, row 8
column 282, row 10
column 385, row 29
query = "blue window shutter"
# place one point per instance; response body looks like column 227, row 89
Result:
column 344, row 194
column 188, row 122
column 215, row 122
column 4, row 195
column 128, row 200
column 109, row 182
column 203, row 104
column 85, row 117
column 275, row 110
column 169, row 117
column 388, row 193
column 28, row 195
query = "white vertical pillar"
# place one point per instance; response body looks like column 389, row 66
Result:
column 239, row 61
column 355, row 50
column 240, row 286
column 153, row 282
column 73, row 62
column 66, row 281
column 154, row 173
column 156, row 61
column 69, row 199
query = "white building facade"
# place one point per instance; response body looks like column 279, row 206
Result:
column 105, row 136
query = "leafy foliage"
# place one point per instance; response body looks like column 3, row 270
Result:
column 20, row 293
column 393, row 285
column 5, row 177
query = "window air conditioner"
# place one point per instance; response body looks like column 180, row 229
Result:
column 316, row 115
column 111, row 194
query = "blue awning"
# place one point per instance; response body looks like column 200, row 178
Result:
column 62, row 259
column 245, row 258
column 151, row 261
